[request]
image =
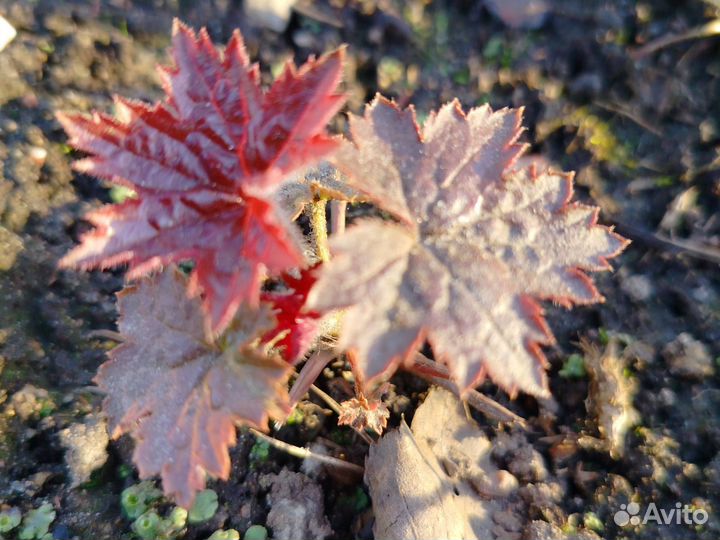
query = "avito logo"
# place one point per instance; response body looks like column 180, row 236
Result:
column 681, row 514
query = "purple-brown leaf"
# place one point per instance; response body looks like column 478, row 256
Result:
column 477, row 241
column 180, row 396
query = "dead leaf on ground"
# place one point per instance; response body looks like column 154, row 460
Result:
column 436, row 481
column 611, row 394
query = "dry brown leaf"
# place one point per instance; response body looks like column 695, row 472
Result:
column 362, row 413
column 611, row 394
column 424, row 483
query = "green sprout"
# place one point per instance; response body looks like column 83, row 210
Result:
column 46, row 408
column 9, row 519
column 178, row 518
column 119, row 194
column 390, row 71
column 37, row 522
column 593, row 522
column 340, row 436
column 124, row 471
column 230, row 534
column 255, row 532
column 361, row 499
column 147, row 525
column 497, row 52
column 172, row 526
column 132, row 504
column 136, row 499
column 260, row 451
column 205, row 506
column 357, row 500
column 295, row 418
column 603, row 336
column 574, row 367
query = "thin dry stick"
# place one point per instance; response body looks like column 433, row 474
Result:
column 706, row 30
column 327, row 398
column 312, row 12
column 630, row 115
column 304, row 453
column 438, row 374
column 338, row 210
column 676, row 246
column 106, row 334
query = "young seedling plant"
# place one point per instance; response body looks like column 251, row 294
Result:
column 473, row 237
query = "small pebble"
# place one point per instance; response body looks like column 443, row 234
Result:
column 638, row 287
column 61, row 532
column 688, row 357
column 7, row 32
column 38, row 155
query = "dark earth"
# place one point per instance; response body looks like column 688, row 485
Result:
column 640, row 127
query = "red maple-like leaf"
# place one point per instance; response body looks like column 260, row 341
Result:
column 477, row 240
column 178, row 394
column 206, row 164
column 296, row 329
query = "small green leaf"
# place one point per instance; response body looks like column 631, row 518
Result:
column 136, row 499
column 230, row 534
column 603, row 336
column 260, row 451
column 296, row 417
column 146, row 526
column 132, row 504
column 256, row 532
column 178, row 518
column 9, row 519
column 124, row 471
column 119, row 194
column 574, row 367
column 37, row 522
column 593, row 522
column 206, row 504
column 362, row 501
column 148, row 491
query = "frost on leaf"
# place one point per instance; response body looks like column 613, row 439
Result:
column 321, row 181
column 476, row 243
column 180, row 396
column 295, row 329
column 206, row 164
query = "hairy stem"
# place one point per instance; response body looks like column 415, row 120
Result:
column 304, row 453
column 439, row 375
column 309, row 373
column 338, row 210
column 318, row 222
